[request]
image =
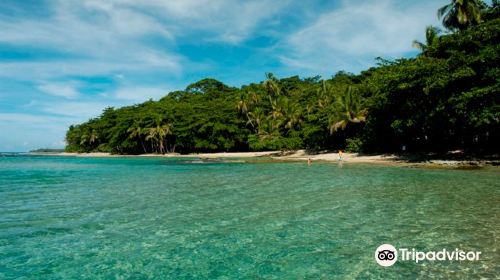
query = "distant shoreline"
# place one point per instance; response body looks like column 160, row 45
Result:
column 302, row 156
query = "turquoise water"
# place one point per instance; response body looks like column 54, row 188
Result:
column 140, row 218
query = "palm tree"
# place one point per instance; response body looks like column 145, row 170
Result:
column 293, row 116
column 254, row 98
column 88, row 137
column 157, row 136
column 256, row 117
column 278, row 106
column 93, row 136
column 272, row 86
column 136, row 132
column 324, row 94
column 431, row 38
column 84, row 139
column 163, row 131
column 460, row 14
column 349, row 110
column 268, row 134
column 152, row 136
column 242, row 106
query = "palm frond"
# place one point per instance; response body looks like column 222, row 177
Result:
column 418, row 45
column 444, row 10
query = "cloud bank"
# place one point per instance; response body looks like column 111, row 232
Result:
column 351, row 36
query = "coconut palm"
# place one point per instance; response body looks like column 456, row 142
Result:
column 293, row 116
column 93, row 136
column 256, row 117
column 152, row 137
column 324, row 95
column 254, row 98
column 431, row 38
column 84, row 139
column 88, row 137
column 460, row 14
column 272, row 87
column 243, row 104
column 136, row 132
column 157, row 135
column 163, row 131
column 348, row 110
column 278, row 106
column 268, row 134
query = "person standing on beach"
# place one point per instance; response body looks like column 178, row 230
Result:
column 340, row 155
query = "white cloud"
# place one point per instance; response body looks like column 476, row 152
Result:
column 30, row 131
column 91, row 38
column 243, row 19
column 46, row 70
column 59, row 89
column 78, row 110
column 27, row 118
column 85, row 29
column 114, row 36
column 30, row 104
column 357, row 31
column 231, row 21
column 82, row 110
column 110, row 28
column 126, row 21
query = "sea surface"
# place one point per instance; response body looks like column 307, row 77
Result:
column 145, row 218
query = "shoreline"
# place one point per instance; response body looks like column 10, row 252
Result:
column 302, row 156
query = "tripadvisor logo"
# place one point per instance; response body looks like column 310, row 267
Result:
column 387, row 255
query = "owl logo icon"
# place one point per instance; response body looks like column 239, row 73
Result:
column 386, row 255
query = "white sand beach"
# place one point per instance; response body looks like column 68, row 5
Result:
column 300, row 155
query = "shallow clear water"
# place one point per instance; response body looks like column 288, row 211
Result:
column 113, row 218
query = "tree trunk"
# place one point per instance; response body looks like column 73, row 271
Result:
column 162, row 149
column 143, row 147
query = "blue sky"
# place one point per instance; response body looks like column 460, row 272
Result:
column 63, row 61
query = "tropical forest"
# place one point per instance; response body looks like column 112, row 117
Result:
column 444, row 99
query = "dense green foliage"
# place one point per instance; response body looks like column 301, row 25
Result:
column 447, row 98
